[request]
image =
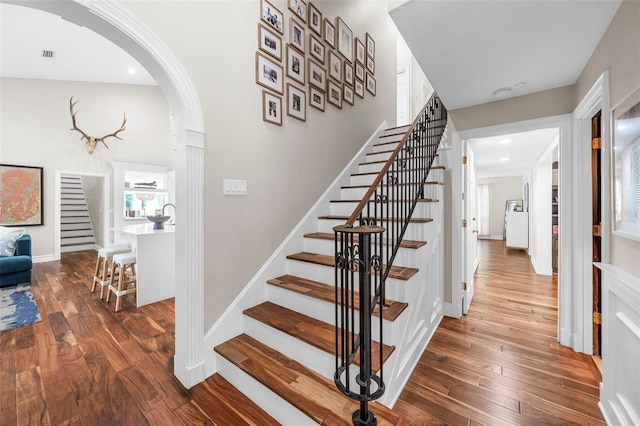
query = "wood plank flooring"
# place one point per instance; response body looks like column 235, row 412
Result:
column 85, row 364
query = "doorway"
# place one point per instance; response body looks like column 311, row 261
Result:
column 596, row 209
column 127, row 32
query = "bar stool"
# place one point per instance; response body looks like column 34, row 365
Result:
column 103, row 264
column 124, row 266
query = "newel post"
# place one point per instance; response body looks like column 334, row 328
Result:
column 356, row 256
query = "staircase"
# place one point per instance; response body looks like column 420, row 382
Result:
column 76, row 231
column 283, row 355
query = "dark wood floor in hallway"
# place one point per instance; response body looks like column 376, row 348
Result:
column 85, row 364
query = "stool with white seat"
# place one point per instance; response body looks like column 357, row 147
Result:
column 123, row 266
column 103, row 265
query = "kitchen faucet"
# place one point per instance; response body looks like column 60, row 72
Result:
column 168, row 204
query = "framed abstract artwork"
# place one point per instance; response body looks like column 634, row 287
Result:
column 21, row 195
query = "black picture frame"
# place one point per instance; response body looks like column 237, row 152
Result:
column 22, row 195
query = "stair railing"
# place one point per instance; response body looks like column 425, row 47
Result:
column 366, row 246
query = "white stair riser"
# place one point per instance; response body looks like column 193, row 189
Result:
column 378, row 156
column 277, row 407
column 368, row 168
column 357, row 193
column 325, row 274
column 358, row 180
column 405, row 256
column 72, row 219
column 70, row 191
column 311, row 357
column 77, row 240
column 76, row 233
column 72, row 198
column 415, row 231
column 322, row 310
column 74, row 225
column 384, row 146
column 73, row 211
column 346, row 208
column 69, row 249
column 71, row 204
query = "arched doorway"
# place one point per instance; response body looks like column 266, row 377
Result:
column 117, row 24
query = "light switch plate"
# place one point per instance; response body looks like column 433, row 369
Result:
column 234, row 187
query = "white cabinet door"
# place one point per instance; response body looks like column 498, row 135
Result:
column 517, row 229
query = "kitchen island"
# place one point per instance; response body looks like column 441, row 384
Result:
column 155, row 267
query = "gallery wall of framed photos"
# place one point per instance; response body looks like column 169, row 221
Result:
column 308, row 59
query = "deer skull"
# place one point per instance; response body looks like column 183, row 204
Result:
column 92, row 141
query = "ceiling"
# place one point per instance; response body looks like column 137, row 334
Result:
column 79, row 54
column 467, row 48
column 470, row 49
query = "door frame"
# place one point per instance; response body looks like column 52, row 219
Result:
column 564, row 123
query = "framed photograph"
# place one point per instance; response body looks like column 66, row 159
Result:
column 371, row 47
column 317, row 75
column 371, row 84
column 271, row 108
column 359, row 71
column 295, row 64
column 269, row 42
column 272, row 16
column 269, row 74
column 299, row 8
column 345, row 40
column 315, row 20
column 329, row 33
column 360, row 51
column 316, row 48
column 335, row 66
column 348, row 74
column 296, row 34
column 316, row 98
column 626, row 167
column 347, row 94
column 296, row 102
column 21, row 195
column 371, row 65
column 358, row 87
column 334, row 94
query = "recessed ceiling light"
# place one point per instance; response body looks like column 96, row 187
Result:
column 502, row 93
column 132, row 71
column 506, row 141
column 505, row 159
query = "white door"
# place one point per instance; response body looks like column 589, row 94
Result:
column 403, row 97
column 470, row 231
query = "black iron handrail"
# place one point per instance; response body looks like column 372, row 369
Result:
column 361, row 250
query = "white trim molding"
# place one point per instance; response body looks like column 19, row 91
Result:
column 619, row 390
column 116, row 23
column 575, row 234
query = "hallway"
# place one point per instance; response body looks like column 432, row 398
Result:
column 501, row 364
column 85, row 364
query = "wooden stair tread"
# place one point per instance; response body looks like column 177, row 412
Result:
column 314, row 332
column 219, row 399
column 327, row 293
column 311, row 393
column 397, row 272
column 421, row 200
column 412, row 244
column 412, row 220
column 375, row 173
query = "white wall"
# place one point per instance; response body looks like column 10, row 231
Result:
column 287, row 168
column 419, row 82
column 500, row 190
column 35, row 132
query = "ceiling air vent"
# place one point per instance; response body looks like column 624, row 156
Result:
column 48, row 53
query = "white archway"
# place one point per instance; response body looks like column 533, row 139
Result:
column 117, row 24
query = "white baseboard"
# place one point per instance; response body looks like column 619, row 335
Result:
column 490, row 237
column 44, row 258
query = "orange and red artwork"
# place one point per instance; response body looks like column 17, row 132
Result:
column 20, row 195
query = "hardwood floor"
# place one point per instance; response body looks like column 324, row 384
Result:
column 86, row 364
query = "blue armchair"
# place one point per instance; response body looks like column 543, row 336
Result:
column 17, row 269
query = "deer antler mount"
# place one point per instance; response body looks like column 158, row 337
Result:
column 92, row 141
